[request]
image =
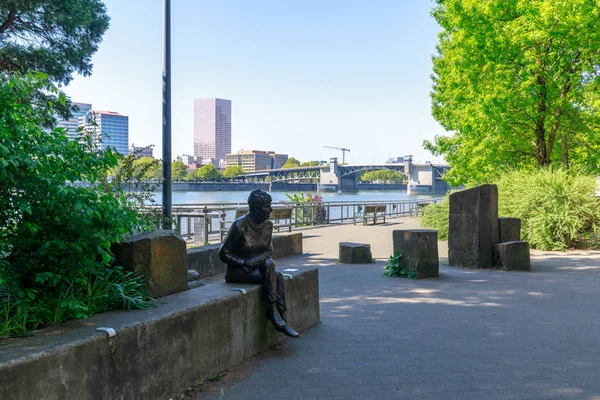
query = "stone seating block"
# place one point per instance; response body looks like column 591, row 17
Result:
column 355, row 253
column 160, row 255
column 419, row 249
column 473, row 227
column 513, row 256
column 156, row 352
column 509, row 229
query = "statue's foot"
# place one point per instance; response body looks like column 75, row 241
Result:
column 289, row 331
column 275, row 318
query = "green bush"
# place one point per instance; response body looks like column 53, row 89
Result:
column 55, row 237
column 557, row 207
column 435, row 216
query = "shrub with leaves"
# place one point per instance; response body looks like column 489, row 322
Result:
column 435, row 216
column 309, row 208
column 55, row 236
column 556, row 206
column 395, row 269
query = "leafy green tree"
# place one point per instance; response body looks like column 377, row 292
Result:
column 190, row 175
column 232, row 171
column 310, row 163
column 383, row 176
column 57, row 37
column 208, row 173
column 178, row 170
column 55, row 236
column 146, row 166
column 291, row 163
column 517, row 83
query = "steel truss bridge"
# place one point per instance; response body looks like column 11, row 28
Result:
column 314, row 173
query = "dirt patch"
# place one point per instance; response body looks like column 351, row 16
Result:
column 222, row 382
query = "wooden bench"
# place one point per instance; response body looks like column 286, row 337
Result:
column 281, row 217
column 371, row 210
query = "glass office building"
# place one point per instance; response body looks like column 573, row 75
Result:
column 70, row 125
column 111, row 129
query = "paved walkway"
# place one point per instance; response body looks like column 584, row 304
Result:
column 472, row 334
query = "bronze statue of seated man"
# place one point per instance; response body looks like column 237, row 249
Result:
column 247, row 251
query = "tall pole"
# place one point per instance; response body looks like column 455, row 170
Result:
column 166, row 119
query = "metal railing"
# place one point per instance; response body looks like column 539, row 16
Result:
column 201, row 224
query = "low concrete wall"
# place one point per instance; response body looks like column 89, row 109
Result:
column 205, row 259
column 156, row 353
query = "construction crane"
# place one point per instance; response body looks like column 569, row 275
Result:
column 343, row 152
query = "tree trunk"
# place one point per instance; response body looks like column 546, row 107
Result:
column 9, row 21
column 565, row 151
column 540, row 129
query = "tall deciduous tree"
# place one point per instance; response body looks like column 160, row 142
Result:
column 232, row 171
column 291, row 163
column 57, row 37
column 516, row 81
column 310, row 163
column 179, row 170
column 208, row 172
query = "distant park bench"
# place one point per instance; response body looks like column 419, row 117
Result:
column 281, row 217
column 371, row 211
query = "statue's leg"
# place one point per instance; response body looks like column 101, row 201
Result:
column 275, row 290
column 269, row 274
column 281, row 295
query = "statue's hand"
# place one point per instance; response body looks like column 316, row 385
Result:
column 248, row 266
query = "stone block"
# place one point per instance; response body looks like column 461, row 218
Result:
column 287, row 245
column 419, row 249
column 355, row 253
column 512, row 256
column 160, row 255
column 205, row 260
column 509, row 229
column 473, row 227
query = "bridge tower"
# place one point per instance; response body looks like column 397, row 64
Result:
column 333, row 181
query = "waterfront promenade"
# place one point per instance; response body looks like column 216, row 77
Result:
column 472, row 334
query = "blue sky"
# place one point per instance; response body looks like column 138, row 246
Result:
column 300, row 74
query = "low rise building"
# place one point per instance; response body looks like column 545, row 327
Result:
column 256, row 160
column 141, row 151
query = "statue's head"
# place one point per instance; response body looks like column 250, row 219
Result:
column 259, row 203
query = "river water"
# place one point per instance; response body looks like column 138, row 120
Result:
column 196, row 197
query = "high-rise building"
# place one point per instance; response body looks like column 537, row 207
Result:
column 212, row 128
column 256, row 160
column 70, row 125
column 111, row 129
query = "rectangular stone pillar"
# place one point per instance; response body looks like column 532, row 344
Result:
column 160, row 255
column 419, row 249
column 473, row 227
column 510, row 229
column 355, row 253
column 513, row 256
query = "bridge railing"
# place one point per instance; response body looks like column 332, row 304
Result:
column 201, row 224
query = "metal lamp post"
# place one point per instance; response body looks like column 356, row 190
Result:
column 166, row 120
